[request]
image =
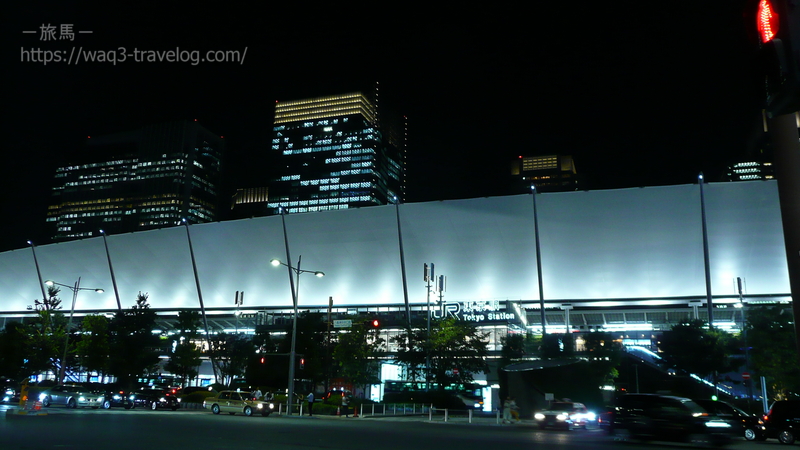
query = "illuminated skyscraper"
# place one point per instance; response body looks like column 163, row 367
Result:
column 549, row 173
column 336, row 152
column 143, row 179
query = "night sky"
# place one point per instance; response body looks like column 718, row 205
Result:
column 638, row 94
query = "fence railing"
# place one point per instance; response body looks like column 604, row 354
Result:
column 408, row 409
column 393, row 409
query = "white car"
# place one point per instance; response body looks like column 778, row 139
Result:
column 73, row 396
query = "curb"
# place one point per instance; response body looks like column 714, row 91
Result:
column 19, row 412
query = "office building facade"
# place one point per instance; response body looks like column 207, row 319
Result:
column 550, row 173
column 336, row 152
column 144, row 179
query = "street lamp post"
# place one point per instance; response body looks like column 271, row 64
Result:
column 294, row 272
column 77, row 287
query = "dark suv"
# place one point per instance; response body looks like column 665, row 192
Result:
column 783, row 421
column 748, row 425
column 653, row 417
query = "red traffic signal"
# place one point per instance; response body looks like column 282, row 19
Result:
column 778, row 27
column 302, row 363
column 375, row 323
column 767, row 21
column 262, row 360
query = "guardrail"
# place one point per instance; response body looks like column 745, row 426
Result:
column 394, row 409
column 460, row 415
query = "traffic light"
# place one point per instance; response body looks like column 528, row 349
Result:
column 262, row 360
column 375, row 323
column 778, row 27
column 302, row 363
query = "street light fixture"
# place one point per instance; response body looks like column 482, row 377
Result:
column 295, row 291
column 77, row 287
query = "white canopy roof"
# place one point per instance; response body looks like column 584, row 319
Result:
column 615, row 244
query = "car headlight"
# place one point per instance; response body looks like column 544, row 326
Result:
column 179, row 400
column 538, row 416
column 132, row 398
column 42, row 397
column 562, row 417
column 100, row 399
column 81, row 398
column 260, row 406
column 162, row 399
column 117, row 397
column 717, row 424
column 271, row 406
column 9, row 392
column 591, row 416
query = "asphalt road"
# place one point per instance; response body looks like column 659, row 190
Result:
column 118, row 429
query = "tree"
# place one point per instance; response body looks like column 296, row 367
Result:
column 604, row 354
column 185, row 357
column 94, row 344
column 412, row 351
column 457, row 350
column 272, row 371
column 134, row 348
column 773, row 353
column 690, row 347
column 356, row 353
column 46, row 334
column 513, row 348
column 231, row 353
column 14, row 341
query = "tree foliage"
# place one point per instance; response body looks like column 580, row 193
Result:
column 134, row 348
column 604, row 355
column 230, row 353
column 457, row 351
column 94, row 345
column 356, row 354
column 47, row 334
column 185, row 355
column 771, row 338
column 691, row 347
column 14, row 340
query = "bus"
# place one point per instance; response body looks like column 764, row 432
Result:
column 470, row 395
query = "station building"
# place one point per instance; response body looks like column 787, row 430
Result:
column 628, row 260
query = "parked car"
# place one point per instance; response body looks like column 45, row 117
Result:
column 10, row 393
column 748, row 425
column 191, row 389
column 71, row 396
column 564, row 415
column 782, row 422
column 233, row 402
column 653, row 417
column 154, row 399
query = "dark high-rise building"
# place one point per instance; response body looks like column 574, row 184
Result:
column 249, row 202
column 336, row 152
column 750, row 170
column 549, row 173
column 148, row 178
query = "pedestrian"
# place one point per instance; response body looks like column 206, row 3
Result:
column 507, row 405
column 257, row 394
column 344, row 406
column 514, row 410
column 310, row 399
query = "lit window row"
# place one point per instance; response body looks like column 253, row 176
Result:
column 345, row 186
column 319, row 181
